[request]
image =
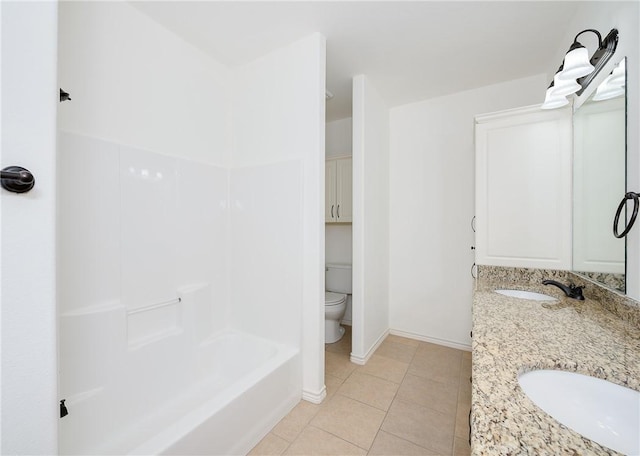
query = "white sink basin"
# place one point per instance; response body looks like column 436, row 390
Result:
column 599, row 410
column 532, row 296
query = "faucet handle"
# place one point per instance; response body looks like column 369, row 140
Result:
column 576, row 291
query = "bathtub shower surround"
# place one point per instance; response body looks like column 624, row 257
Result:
column 182, row 217
column 163, row 346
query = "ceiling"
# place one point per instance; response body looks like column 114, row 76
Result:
column 410, row 51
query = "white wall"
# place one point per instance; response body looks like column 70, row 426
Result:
column 28, row 394
column 273, row 91
column 339, row 137
column 339, row 245
column 277, row 202
column 142, row 85
column 624, row 16
column 371, row 219
column 431, row 206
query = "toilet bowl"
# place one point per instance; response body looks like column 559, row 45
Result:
column 338, row 287
column 335, row 305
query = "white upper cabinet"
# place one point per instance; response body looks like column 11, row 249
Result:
column 338, row 190
column 523, row 188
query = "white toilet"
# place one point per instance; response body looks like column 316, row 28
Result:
column 337, row 285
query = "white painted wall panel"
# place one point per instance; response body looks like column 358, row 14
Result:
column 28, row 399
column 431, row 206
column 278, row 118
column 371, row 219
column 339, row 137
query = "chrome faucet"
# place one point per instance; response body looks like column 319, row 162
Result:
column 570, row 290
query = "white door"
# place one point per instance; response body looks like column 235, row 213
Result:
column 29, row 93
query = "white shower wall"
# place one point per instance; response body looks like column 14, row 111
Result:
column 134, row 226
column 136, row 230
column 181, row 178
column 164, row 139
column 266, row 264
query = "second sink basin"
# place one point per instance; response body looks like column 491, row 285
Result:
column 599, row 410
column 532, row 296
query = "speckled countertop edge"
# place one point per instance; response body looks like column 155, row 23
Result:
column 511, row 336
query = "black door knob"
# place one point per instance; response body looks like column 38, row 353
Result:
column 17, row 179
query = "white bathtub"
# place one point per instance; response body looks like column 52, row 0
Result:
column 230, row 412
column 232, row 389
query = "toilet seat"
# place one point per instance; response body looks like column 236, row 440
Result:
column 333, row 299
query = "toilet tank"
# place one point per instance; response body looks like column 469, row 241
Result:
column 337, row 278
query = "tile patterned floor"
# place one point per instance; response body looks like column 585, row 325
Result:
column 411, row 398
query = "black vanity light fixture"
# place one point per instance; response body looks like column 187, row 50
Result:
column 578, row 70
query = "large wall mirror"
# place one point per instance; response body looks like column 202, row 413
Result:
column 600, row 181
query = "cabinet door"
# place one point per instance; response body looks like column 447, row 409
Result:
column 523, row 189
column 330, row 212
column 344, row 190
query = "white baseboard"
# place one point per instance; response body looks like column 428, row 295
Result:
column 315, row 397
column 362, row 360
column 433, row 340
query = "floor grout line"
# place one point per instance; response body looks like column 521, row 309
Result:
column 343, row 355
column 337, row 436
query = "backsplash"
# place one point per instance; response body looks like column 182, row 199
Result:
column 625, row 308
column 611, row 280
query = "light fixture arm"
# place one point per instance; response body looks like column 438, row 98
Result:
column 606, row 49
column 575, row 40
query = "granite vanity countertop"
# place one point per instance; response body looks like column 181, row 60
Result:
column 511, row 336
